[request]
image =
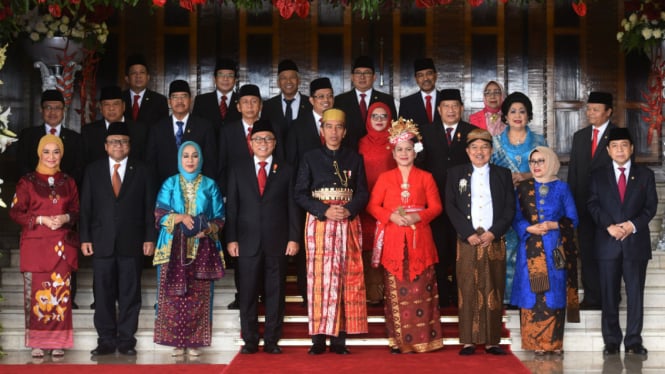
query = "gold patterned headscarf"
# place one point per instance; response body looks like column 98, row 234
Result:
column 551, row 166
column 48, row 139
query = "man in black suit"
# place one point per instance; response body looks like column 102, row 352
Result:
column 166, row 136
column 284, row 109
column 53, row 113
column 263, row 227
column 622, row 201
column 421, row 106
column 589, row 153
column 354, row 103
column 438, row 156
column 480, row 202
column 220, row 106
column 141, row 104
column 117, row 229
column 94, row 134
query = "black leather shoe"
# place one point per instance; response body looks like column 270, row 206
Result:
column 340, row 350
column 636, row 349
column 92, row 306
column 467, row 351
column 102, row 350
column 75, row 305
column 234, row 304
column 395, row 351
column 496, row 350
column 127, row 351
column 249, row 349
column 317, row 349
column 272, row 349
column 611, row 349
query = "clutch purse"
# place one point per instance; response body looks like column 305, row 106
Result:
column 559, row 257
column 200, row 224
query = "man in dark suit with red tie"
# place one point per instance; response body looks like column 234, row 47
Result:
column 622, row 202
column 141, row 104
column 589, row 153
column 117, row 229
column 166, row 136
column 220, row 106
column 354, row 103
column 263, row 227
column 444, row 147
column 421, row 106
column 284, row 109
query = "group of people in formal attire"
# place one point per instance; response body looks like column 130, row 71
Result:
column 413, row 210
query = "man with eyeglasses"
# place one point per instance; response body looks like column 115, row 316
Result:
column 355, row 103
column 219, row 106
column 142, row 104
column 263, row 227
column 444, row 147
column 284, row 109
column 421, row 106
column 117, row 229
column 167, row 135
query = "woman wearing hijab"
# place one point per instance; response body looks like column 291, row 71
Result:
column 545, row 282
column 189, row 214
column 489, row 118
column 377, row 157
column 404, row 201
column 46, row 205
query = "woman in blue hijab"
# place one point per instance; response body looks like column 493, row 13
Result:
column 189, row 214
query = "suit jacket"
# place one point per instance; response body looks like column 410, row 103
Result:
column 261, row 223
column 639, row 207
column 458, row 200
column 162, row 152
column 94, row 138
column 355, row 124
column 71, row 163
column 413, row 107
column 581, row 164
column 233, row 148
column 437, row 156
column 206, row 106
column 118, row 226
column 272, row 110
column 154, row 107
column 304, row 136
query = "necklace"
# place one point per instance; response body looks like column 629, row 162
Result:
column 343, row 177
column 405, row 194
column 53, row 195
column 517, row 141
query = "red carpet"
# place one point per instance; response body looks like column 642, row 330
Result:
column 295, row 360
column 113, row 369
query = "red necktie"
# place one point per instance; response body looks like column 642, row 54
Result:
column 52, row 130
column 135, row 107
column 249, row 140
column 116, row 181
column 449, row 133
column 262, row 176
column 622, row 183
column 363, row 107
column 428, row 107
column 222, row 107
column 594, row 142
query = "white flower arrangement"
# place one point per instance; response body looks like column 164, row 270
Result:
column 40, row 26
column 418, row 147
column 7, row 137
column 644, row 28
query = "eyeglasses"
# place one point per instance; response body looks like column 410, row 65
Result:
column 537, row 162
column 493, row 93
column 363, row 73
column 225, row 75
column 323, row 96
column 50, row 108
column 267, row 139
column 116, row 142
column 378, row 117
column 179, row 97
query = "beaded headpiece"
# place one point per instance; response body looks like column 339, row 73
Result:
column 403, row 129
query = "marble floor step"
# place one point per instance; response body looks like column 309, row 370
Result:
column 590, row 320
column 355, row 342
column 592, row 341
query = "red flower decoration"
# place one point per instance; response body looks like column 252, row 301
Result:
column 431, row 3
column 158, row 3
column 580, row 8
column 55, row 10
column 288, row 7
column 475, row 3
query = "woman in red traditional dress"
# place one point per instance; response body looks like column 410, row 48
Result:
column 377, row 157
column 46, row 205
column 404, row 201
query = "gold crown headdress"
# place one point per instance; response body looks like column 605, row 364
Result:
column 403, row 129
